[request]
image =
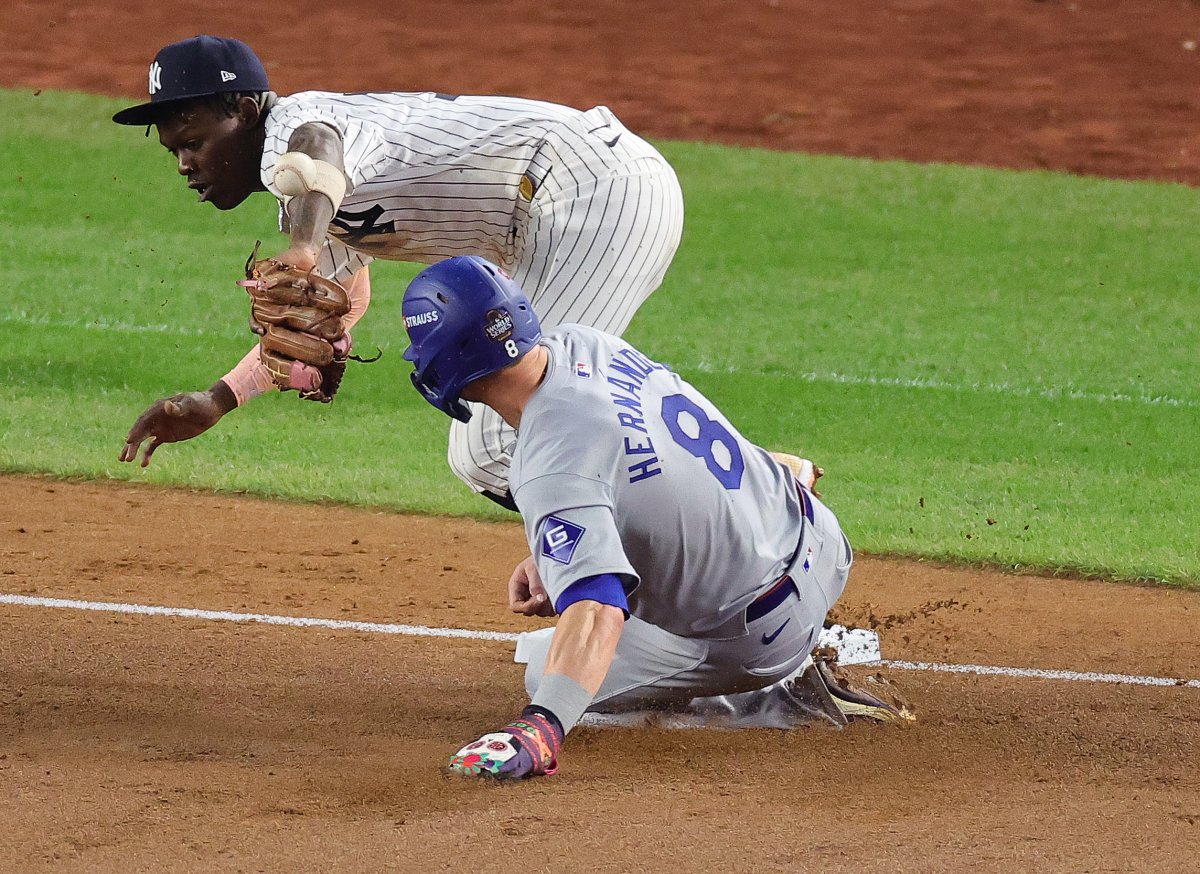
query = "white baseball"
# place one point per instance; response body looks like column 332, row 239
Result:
column 294, row 174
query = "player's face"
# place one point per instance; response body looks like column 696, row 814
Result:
column 217, row 153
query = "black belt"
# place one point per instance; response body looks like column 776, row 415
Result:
column 772, row 598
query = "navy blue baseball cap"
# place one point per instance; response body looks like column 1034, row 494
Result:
column 197, row 67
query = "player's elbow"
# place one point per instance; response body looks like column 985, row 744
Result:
column 596, row 616
column 609, row 616
column 319, row 141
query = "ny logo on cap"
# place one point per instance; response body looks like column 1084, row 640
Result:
column 155, row 77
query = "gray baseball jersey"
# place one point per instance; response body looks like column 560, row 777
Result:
column 622, row 467
column 583, row 214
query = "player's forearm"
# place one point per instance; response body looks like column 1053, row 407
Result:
column 223, row 396
column 309, row 215
column 248, row 379
column 583, row 648
column 584, row 643
column 310, row 212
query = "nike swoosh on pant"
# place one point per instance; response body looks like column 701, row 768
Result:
column 769, row 638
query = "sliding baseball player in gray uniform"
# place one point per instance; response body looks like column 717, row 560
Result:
column 583, row 213
column 683, row 561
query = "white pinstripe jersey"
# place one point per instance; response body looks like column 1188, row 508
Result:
column 432, row 175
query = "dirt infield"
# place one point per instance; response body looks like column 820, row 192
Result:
column 150, row 743
column 144, row 743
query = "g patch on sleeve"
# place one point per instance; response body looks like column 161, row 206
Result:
column 559, row 539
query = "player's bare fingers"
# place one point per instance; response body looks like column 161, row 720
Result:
column 538, row 603
column 150, row 447
column 129, row 450
column 518, row 587
column 134, row 439
column 526, row 603
column 531, row 573
column 533, row 606
column 518, row 594
column 537, row 592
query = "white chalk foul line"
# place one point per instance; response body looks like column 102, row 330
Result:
column 263, row 618
column 1039, row 674
column 847, row 637
column 857, row 645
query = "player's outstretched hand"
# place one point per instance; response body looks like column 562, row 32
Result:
column 526, row 594
column 526, row 747
column 169, row 420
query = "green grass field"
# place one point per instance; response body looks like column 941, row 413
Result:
column 993, row 367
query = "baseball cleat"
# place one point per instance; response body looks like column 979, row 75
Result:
column 805, row 472
column 855, row 704
column 810, row 698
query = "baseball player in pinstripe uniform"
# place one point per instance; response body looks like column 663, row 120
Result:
column 686, row 565
column 583, row 213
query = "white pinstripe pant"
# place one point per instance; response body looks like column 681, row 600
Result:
column 591, row 246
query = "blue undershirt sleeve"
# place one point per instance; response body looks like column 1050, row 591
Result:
column 605, row 588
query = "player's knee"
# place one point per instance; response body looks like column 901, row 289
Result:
column 479, row 477
column 477, row 456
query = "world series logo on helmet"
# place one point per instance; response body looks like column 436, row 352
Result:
column 498, row 325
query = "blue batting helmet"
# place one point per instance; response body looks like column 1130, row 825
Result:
column 465, row 319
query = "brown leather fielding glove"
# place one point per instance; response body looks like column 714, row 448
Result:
column 298, row 316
